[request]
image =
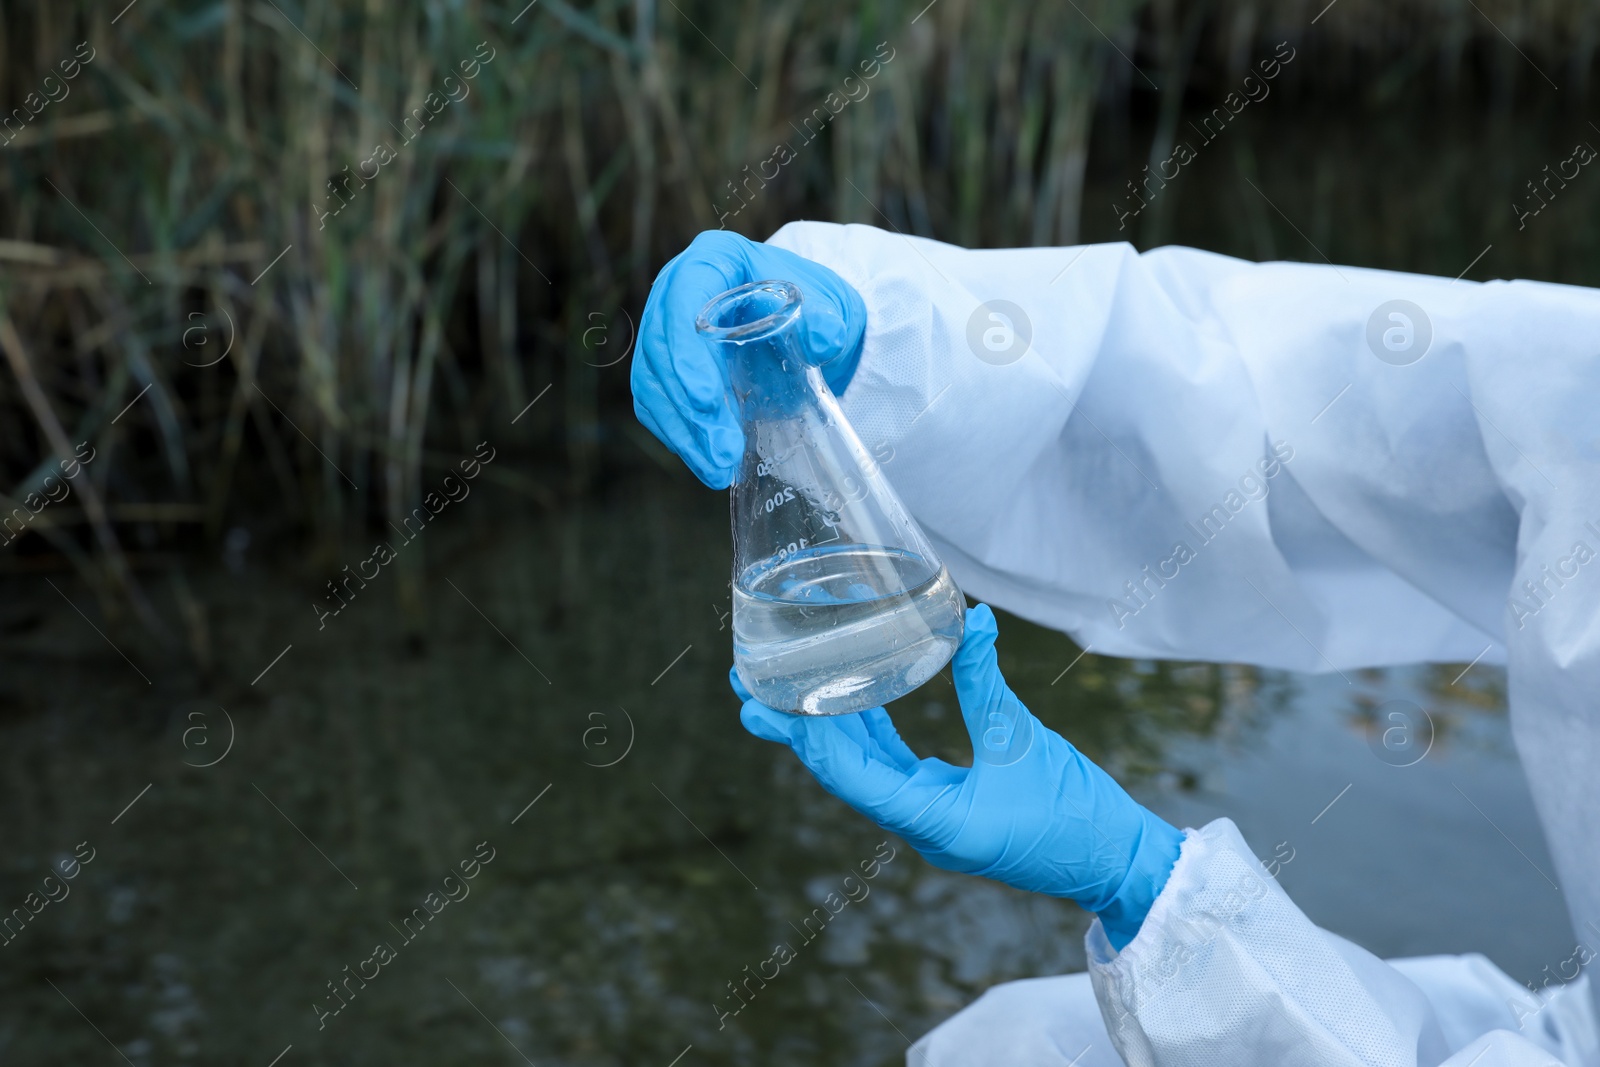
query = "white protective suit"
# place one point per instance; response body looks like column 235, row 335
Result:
column 1198, row 457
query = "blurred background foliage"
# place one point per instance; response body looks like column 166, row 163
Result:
column 170, row 209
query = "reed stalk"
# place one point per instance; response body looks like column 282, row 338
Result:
column 175, row 197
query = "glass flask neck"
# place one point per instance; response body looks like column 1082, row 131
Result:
column 757, row 327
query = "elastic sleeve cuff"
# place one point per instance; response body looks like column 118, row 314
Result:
column 897, row 370
column 1224, row 932
column 1180, row 879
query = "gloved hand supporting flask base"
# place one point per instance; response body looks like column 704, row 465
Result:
column 1032, row 811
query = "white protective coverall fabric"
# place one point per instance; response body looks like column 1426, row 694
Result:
column 1183, row 990
column 1198, row 457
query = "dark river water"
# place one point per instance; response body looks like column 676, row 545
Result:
column 577, row 663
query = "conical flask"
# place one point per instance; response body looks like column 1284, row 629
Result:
column 839, row 601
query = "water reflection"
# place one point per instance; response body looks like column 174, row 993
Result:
column 660, row 882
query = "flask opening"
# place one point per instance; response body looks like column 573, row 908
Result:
column 750, row 312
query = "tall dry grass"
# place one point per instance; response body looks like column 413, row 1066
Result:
column 146, row 210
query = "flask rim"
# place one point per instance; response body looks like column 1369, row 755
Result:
column 718, row 308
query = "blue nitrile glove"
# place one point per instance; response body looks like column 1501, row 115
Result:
column 1032, row 811
column 680, row 386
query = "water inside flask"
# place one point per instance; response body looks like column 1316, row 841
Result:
column 840, row 602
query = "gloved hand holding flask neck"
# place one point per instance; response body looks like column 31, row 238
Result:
column 680, row 385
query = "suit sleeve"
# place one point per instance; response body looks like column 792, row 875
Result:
column 1318, row 468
